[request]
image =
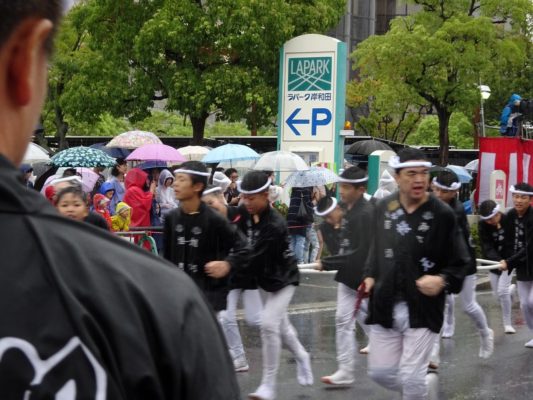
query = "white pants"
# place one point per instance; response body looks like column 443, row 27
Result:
column 252, row 304
column 399, row 357
column 525, row 292
column 470, row 305
column 448, row 324
column 500, row 289
column 275, row 328
column 344, row 324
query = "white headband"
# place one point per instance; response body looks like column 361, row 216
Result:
column 72, row 179
column 395, row 163
column 453, row 186
column 346, row 180
column 495, row 211
column 192, row 172
column 514, row 191
column 261, row 189
column 330, row 209
column 212, row 190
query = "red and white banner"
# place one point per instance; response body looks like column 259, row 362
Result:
column 510, row 155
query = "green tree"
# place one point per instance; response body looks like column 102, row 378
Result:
column 427, row 132
column 199, row 56
column 440, row 54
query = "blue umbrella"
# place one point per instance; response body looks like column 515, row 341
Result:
column 230, row 152
column 82, row 157
column 461, row 172
column 115, row 152
column 315, row 176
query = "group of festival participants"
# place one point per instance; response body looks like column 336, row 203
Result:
column 409, row 253
column 87, row 315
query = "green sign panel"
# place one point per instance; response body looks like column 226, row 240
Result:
column 309, row 74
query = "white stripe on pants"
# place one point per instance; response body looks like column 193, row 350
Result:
column 470, row 305
column 500, row 289
column 275, row 327
column 252, row 304
column 525, row 292
column 344, row 324
column 399, row 357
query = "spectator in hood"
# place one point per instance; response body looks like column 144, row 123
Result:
column 89, row 315
column 165, row 193
column 118, row 173
column 139, row 196
column 508, row 121
column 27, row 171
column 387, row 185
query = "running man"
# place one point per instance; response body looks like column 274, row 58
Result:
column 418, row 255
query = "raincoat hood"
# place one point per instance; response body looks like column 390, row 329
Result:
column 387, row 185
column 165, row 174
column 514, row 97
column 135, row 178
column 106, row 187
column 100, row 202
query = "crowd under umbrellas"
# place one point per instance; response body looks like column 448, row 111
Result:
column 148, row 178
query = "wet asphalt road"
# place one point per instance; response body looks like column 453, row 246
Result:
column 462, row 375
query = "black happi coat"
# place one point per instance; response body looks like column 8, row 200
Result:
column 406, row 247
column 355, row 238
column 462, row 222
column 120, row 323
column 519, row 259
column 271, row 259
column 330, row 235
column 492, row 241
column 193, row 240
column 242, row 278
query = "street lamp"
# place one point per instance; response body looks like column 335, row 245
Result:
column 485, row 94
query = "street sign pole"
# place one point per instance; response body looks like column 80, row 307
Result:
column 312, row 96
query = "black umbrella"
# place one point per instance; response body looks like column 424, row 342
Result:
column 366, row 147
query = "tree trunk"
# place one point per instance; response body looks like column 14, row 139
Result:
column 39, row 135
column 254, row 120
column 198, row 128
column 61, row 127
column 444, row 140
column 476, row 120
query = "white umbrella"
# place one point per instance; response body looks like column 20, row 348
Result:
column 35, row 154
column 472, row 165
column 315, row 176
column 193, row 153
column 281, row 161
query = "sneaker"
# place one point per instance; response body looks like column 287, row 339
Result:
column 240, row 364
column 447, row 331
column 529, row 344
column 263, row 392
column 341, row 377
column 365, row 350
column 303, row 370
column 509, row 329
column 487, row 344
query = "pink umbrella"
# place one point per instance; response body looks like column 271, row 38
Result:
column 156, row 152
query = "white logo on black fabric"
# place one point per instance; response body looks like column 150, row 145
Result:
column 57, row 368
column 196, row 230
column 428, row 215
column 179, row 228
column 403, row 228
column 426, row 264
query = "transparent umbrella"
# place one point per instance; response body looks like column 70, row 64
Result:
column 281, row 161
column 315, row 176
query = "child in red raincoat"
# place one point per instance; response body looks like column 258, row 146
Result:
column 100, row 204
